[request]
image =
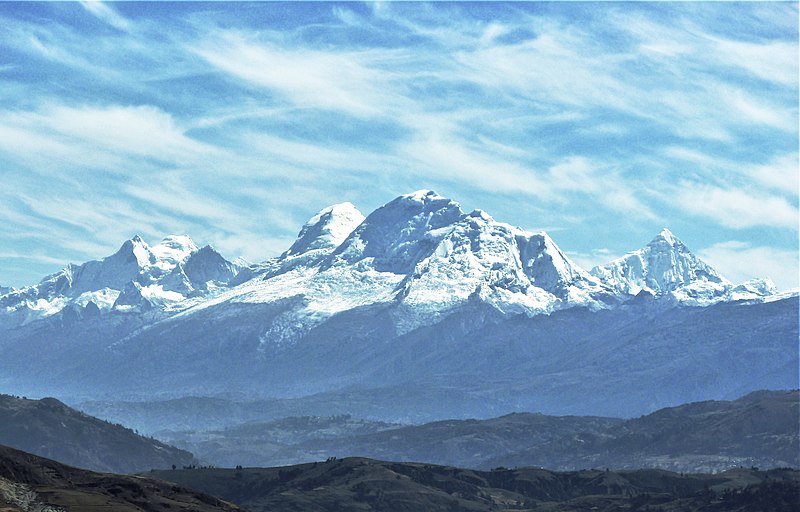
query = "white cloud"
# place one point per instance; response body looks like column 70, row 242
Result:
column 450, row 158
column 491, row 117
column 736, row 208
column 40, row 258
column 107, row 14
column 774, row 61
column 346, row 81
column 753, row 111
column 781, row 173
column 107, row 137
column 740, row 261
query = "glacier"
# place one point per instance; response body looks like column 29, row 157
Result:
column 416, row 292
column 420, row 250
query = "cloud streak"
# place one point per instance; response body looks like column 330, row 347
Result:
column 740, row 261
column 236, row 125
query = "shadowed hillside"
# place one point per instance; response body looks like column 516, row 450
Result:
column 759, row 429
column 29, row 483
column 50, row 429
column 357, row 484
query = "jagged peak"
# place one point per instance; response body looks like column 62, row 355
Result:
column 757, row 286
column 424, row 199
column 399, row 234
column 208, row 248
column 665, row 264
column 137, row 248
column 207, row 251
column 421, row 195
column 665, row 236
column 177, row 241
column 480, row 214
column 241, row 262
column 427, row 199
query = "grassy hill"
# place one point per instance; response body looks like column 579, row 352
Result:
column 760, row 429
column 49, row 428
column 29, row 483
column 358, row 484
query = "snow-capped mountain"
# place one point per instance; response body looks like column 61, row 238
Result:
column 137, row 277
column 666, row 267
column 417, row 293
column 423, row 253
column 420, row 251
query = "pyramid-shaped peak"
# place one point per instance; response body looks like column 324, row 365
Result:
column 205, row 251
column 665, row 235
column 134, row 249
column 663, row 265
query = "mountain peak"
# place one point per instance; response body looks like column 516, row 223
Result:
column 135, row 249
column 421, row 195
column 663, row 265
column 327, row 229
column 174, row 248
column 398, row 234
column 667, row 236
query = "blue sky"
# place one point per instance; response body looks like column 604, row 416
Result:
column 236, row 122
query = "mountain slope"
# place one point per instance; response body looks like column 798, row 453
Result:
column 760, row 429
column 463, row 443
column 50, row 429
column 475, row 361
column 30, row 483
column 364, row 484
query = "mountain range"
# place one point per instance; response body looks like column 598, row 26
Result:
column 420, row 249
column 31, row 484
column 418, row 296
column 359, row 484
column 760, row 429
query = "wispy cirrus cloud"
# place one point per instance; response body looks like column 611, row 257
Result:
column 107, row 14
column 737, row 208
column 111, row 138
column 344, row 81
column 740, row 261
column 237, row 124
